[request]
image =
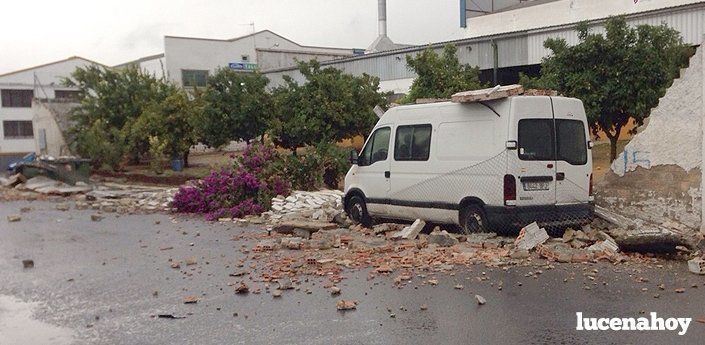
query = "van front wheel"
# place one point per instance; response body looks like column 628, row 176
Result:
column 357, row 211
column 472, row 219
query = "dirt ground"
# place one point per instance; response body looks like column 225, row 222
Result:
column 601, row 158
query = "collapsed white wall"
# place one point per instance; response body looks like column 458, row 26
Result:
column 674, row 133
column 658, row 177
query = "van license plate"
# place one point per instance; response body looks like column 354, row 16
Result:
column 535, row 185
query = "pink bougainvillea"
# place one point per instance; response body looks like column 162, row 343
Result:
column 246, row 188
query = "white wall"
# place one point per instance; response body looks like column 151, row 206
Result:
column 274, row 59
column 49, row 78
column 561, row 13
column 155, row 67
column 674, row 133
column 182, row 53
column 396, row 86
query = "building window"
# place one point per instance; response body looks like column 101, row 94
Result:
column 412, row 143
column 191, row 78
column 18, row 129
column 67, row 94
column 16, row 98
column 245, row 58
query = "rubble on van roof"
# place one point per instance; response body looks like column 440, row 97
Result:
column 496, row 92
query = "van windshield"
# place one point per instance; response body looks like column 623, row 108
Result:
column 538, row 141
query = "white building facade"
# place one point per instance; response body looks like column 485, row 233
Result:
column 188, row 61
column 18, row 89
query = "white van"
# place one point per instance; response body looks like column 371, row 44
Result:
column 493, row 165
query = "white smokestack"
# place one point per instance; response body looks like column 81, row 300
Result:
column 382, row 14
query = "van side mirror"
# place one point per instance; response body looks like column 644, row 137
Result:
column 353, row 157
column 590, row 144
column 512, row 145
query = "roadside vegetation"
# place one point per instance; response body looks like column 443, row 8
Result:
column 619, row 76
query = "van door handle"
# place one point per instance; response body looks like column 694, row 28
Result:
column 560, row 176
column 386, row 174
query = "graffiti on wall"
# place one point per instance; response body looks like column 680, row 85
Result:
column 629, row 160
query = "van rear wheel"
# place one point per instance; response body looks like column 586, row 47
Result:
column 357, row 211
column 473, row 220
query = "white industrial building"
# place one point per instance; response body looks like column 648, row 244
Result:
column 26, row 93
column 187, row 61
column 505, row 37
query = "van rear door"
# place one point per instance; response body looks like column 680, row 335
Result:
column 534, row 166
column 573, row 158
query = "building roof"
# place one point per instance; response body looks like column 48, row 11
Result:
column 471, row 40
column 142, row 59
column 250, row 35
column 52, row 63
column 523, row 5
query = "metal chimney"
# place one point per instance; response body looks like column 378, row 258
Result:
column 382, row 14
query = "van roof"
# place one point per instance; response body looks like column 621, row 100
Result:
column 447, row 103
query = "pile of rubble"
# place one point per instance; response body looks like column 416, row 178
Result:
column 309, row 234
column 113, row 197
column 105, row 197
column 322, row 205
column 325, row 249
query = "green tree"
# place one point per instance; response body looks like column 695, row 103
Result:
column 169, row 124
column 328, row 107
column 440, row 76
column 619, row 76
column 111, row 102
column 236, row 107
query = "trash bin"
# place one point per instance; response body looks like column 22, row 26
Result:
column 69, row 170
column 177, row 164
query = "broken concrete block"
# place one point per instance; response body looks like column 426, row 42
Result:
column 346, row 305
column 530, row 236
column 13, row 180
column 14, row 218
column 190, row 299
column 487, row 94
column 265, row 245
column 442, row 239
column 289, row 226
column 292, row 242
column 608, row 245
column 63, row 206
column 96, row 217
column 480, row 300
column 285, row 283
column 696, row 266
column 410, row 232
column 242, row 288
column 342, row 219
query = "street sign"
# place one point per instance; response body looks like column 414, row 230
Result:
column 242, row 66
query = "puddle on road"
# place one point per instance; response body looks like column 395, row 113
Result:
column 17, row 326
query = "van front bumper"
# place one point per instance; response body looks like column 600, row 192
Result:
column 545, row 216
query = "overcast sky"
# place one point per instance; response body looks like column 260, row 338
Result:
column 115, row 31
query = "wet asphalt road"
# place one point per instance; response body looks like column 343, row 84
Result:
column 94, row 281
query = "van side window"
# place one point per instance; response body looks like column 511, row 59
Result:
column 536, row 141
column 571, row 145
column 412, row 143
column 377, row 147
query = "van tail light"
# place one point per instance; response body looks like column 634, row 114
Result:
column 590, row 185
column 510, row 190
